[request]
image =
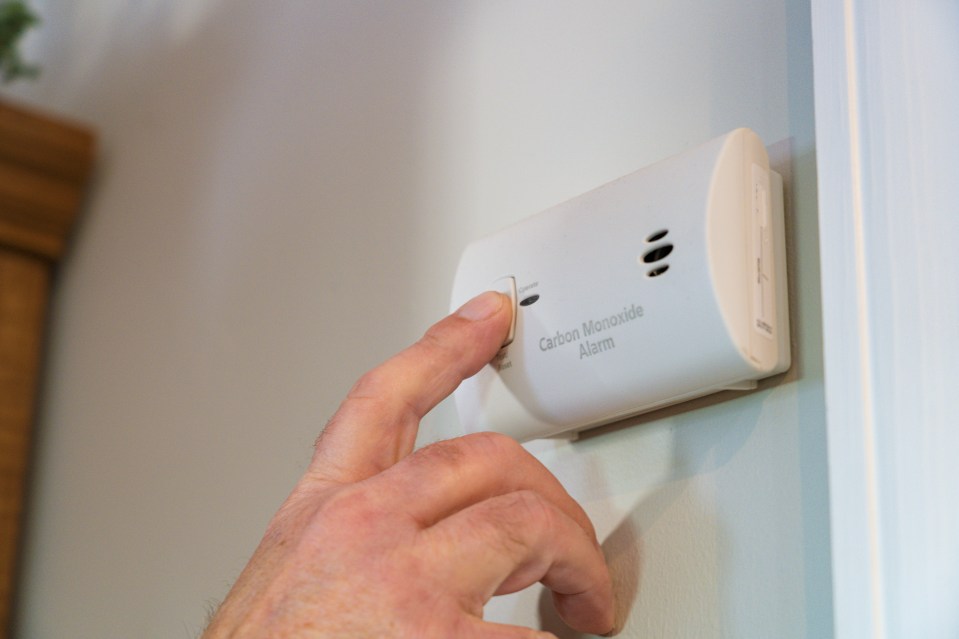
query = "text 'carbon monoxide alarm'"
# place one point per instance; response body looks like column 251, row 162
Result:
column 661, row 286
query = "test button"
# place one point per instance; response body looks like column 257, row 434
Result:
column 507, row 286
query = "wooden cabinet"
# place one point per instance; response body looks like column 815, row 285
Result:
column 44, row 167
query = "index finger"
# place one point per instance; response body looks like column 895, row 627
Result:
column 377, row 423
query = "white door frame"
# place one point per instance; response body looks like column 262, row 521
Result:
column 887, row 134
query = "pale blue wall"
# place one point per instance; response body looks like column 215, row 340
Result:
column 283, row 194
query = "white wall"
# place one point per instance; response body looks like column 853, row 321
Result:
column 283, row 193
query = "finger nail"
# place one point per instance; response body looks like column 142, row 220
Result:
column 481, row 306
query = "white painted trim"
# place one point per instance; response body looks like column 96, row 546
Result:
column 886, row 145
column 856, row 570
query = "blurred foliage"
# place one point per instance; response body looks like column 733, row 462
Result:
column 15, row 20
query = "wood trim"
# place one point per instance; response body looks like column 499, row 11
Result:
column 45, row 145
column 36, row 211
column 44, row 167
column 24, row 287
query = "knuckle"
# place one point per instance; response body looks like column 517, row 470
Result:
column 441, row 345
column 349, row 506
column 355, row 511
column 533, row 508
column 518, row 520
column 487, row 448
column 449, row 452
column 377, row 392
column 494, row 445
column 435, row 338
column 370, row 384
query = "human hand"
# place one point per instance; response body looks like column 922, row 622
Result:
column 377, row 542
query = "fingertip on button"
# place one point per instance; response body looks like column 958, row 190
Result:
column 507, row 286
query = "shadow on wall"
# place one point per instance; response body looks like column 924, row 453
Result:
column 628, row 559
column 670, row 556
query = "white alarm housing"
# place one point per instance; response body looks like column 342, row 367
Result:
column 661, row 286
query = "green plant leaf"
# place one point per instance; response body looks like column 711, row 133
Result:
column 16, row 19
